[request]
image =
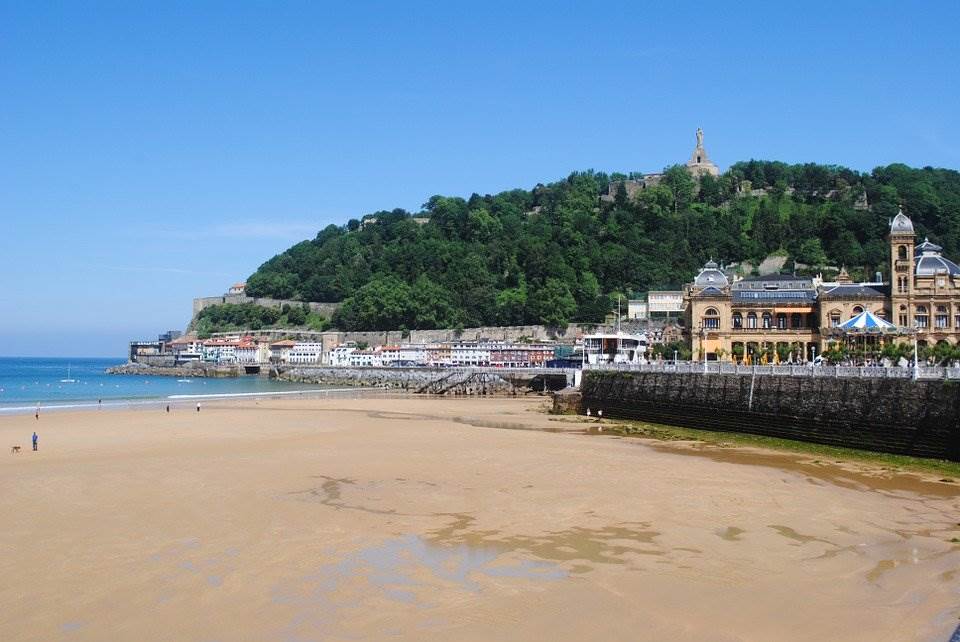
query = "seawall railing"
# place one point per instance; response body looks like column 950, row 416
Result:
column 719, row 367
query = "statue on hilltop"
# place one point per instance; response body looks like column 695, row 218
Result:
column 699, row 137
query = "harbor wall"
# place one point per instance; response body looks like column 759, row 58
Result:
column 901, row 416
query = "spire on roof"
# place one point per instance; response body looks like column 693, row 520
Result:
column 901, row 223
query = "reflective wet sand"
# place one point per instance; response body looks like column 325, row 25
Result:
column 427, row 519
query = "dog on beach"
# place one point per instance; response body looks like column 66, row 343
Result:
column 14, row 450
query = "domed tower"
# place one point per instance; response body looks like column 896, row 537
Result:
column 902, row 239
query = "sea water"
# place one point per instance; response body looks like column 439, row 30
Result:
column 27, row 383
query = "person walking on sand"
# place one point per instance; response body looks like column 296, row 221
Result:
column 35, row 440
column 198, row 406
column 168, row 409
column 36, row 415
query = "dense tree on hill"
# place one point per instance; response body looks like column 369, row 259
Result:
column 556, row 253
column 227, row 317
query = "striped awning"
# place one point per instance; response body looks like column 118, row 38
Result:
column 867, row 323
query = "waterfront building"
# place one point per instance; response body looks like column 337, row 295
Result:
column 145, row 349
column 247, row 351
column 363, row 359
column 305, row 353
column 745, row 318
column 220, row 351
column 518, row 355
column 470, row 353
column 340, row 355
column 439, row 354
column 925, row 288
column 185, row 348
column 777, row 317
column 614, row 347
column 280, row 350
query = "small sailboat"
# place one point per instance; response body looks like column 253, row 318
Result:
column 69, row 379
column 184, row 380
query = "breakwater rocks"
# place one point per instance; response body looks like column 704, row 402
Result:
column 186, row 370
column 423, row 380
column 901, row 416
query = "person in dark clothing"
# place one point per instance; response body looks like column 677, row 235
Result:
column 35, row 440
column 168, row 408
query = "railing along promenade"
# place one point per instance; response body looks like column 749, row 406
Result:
column 719, row 367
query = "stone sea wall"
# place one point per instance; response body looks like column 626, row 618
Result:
column 425, row 380
column 920, row 418
column 193, row 369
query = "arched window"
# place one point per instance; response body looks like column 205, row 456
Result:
column 767, row 320
column 752, row 320
column 711, row 319
column 781, row 321
column 737, row 320
column 902, row 252
column 902, row 316
column 834, row 318
column 857, row 309
column 796, row 321
column 921, row 317
column 942, row 320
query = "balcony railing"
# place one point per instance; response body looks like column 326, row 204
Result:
column 774, row 328
column 724, row 367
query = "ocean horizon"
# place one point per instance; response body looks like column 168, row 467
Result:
column 28, row 383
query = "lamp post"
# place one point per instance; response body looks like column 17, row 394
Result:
column 916, row 352
column 703, row 344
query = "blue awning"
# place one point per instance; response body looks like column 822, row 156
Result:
column 867, row 323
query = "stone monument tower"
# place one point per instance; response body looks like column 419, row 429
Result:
column 699, row 163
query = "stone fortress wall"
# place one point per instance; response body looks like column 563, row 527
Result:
column 901, row 416
column 325, row 309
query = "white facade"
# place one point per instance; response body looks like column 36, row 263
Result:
column 363, row 359
column 615, row 348
column 305, row 353
column 470, row 354
column 248, row 353
column 665, row 301
column 340, row 356
column 636, row 309
column 220, row 352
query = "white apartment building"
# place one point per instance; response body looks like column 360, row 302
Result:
column 471, row 353
column 363, row 359
column 305, row 353
column 247, row 353
column 340, row 356
column 219, row 351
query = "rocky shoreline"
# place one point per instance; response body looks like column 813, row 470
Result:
column 191, row 370
column 432, row 380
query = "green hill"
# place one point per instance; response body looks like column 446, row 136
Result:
column 557, row 253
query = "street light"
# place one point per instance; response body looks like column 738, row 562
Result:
column 703, row 344
column 916, row 358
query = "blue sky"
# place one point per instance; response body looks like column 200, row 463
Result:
column 152, row 154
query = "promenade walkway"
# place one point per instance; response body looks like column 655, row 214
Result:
column 717, row 367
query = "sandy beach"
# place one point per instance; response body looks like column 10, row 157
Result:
column 452, row 519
